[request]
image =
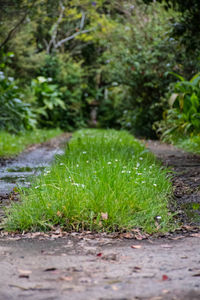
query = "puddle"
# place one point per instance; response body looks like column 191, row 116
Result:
column 192, row 211
column 28, row 164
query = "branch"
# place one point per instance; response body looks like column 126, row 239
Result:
column 55, row 29
column 82, row 20
column 13, row 30
column 72, row 37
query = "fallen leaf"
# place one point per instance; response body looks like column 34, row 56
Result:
column 23, row 276
column 136, row 269
column 165, row 291
column 177, row 237
column 66, row 278
column 195, row 235
column 99, row 254
column 104, row 216
column 136, row 246
column 50, row 269
column 165, row 277
column 127, row 235
column 196, row 274
column 115, row 288
column 24, row 272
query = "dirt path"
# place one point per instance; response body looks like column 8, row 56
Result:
column 100, row 268
column 31, row 162
column 186, row 179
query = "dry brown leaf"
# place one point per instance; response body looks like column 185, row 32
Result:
column 66, row 278
column 196, row 274
column 24, row 272
column 136, row 246
column 127, row 235
column 104, row 216
column 195, row 234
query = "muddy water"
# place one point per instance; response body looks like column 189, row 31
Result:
column 18, row 172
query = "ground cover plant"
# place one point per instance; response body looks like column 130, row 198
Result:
column 105, row 181
column 188, row 143
column 12, row 144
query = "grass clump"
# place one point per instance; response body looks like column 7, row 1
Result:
column 105, row 181
column 189, row 144
column 12, row 144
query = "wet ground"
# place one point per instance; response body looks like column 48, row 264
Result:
column 87, row 266
column 185, row 169
column 18, row 171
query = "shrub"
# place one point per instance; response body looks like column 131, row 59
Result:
column 137, row 63
column 47, row 100
column 15, row 114
column 183, row 116
column 69, row 76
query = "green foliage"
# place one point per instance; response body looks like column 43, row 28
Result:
column 15, row 115
column 69, row 76
column 136, row 63
column 183, row 117
column 186, row 30
column 188, row 143
column 47, row 100
column 105, row 181
column 113, row 54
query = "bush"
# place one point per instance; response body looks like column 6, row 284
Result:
column 183, row 116
column 47, row 100
column 69, row 76
column 137, row 64
column 15, row 114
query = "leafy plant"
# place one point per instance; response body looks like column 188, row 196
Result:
column 70, row 78
column 47, row 99
column 183, row 116
column 15, row 114
column 137, row 62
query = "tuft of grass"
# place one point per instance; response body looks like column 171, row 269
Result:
column 12, row 144
column 105, row 181
column 189, row 144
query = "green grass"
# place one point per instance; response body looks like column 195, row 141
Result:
column 189, row 144
column 105, row 181
column 11, row 144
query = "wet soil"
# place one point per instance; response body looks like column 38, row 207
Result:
column 17, row 171
column 185, row 169
column 98, row 267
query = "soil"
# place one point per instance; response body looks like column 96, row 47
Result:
column 101, row 267
column 185, row 168
column 16, row 171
